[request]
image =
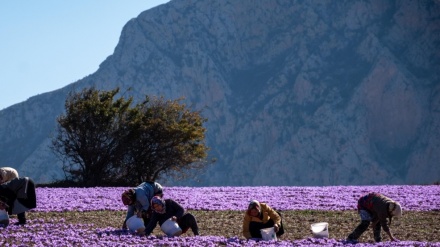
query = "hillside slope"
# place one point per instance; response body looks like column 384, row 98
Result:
column 296, row 92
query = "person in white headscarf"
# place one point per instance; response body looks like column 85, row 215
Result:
column 375, row 208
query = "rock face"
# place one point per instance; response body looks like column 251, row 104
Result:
column 295, row 92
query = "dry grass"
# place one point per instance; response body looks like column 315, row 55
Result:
column 413, row 226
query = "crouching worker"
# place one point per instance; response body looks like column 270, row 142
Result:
column 375, row 208
column 259, row 216
column 170, row 209
column 138, row 200
column 19, row 194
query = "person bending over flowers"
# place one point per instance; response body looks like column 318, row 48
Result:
column 259, row 216
column 19, row 195
column 138, row 200
column 375, row 208
column 166, row 209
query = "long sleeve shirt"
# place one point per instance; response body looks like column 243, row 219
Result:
column 143, row 193
column 172, row 208
column 377, row 205
column 267, row 214
column 21, row 189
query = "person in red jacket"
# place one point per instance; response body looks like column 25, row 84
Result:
column 259, row 216
column 375, row 208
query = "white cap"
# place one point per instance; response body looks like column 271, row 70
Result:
column 397, row 210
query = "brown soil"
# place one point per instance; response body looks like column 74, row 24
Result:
column 413, row 226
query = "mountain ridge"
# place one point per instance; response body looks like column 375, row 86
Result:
column 296, row 93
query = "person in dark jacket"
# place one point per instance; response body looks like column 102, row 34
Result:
column 138, row 200
column 19, row 195
column 375, row 208
column 259, row 216
column 166, row 209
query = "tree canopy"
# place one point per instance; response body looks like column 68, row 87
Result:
column 103, row 141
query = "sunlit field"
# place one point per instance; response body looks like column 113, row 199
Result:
column 94, row 216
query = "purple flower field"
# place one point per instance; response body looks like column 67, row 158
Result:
column 413, row 198
column 40, row 233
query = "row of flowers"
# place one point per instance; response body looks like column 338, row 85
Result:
column 41, row 233
column 414, row 198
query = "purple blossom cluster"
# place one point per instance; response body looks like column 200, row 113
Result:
column 41, row 233
column 411, row 197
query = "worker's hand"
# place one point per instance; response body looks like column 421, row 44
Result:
column 174, row 218
column 276, row 228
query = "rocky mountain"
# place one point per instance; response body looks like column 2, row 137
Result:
column 314, row 92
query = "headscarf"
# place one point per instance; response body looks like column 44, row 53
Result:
column 128, row 197
column 7, row 174
column 395, row 209
column 158, row 200
column 254, row 204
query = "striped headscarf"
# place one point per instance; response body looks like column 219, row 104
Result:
column 159, row 201
column 254, row 204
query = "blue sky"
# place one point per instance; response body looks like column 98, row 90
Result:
column 48, row 44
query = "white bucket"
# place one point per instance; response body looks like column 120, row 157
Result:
column 320, row 230
column 135, row 224
column 268, row 233
column 171, row 228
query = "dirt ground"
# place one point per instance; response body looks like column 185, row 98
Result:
column 413, row 226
